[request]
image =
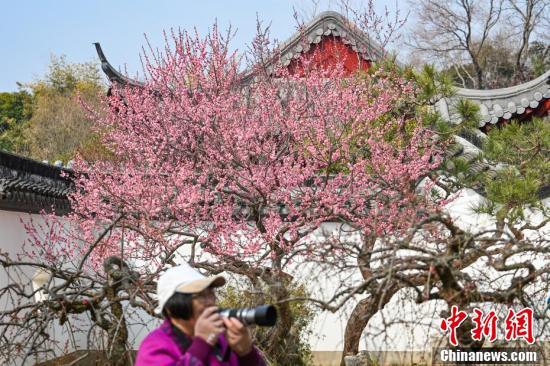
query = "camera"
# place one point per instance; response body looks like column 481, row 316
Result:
column 264, row 315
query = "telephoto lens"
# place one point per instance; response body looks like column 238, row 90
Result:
column 264, row 315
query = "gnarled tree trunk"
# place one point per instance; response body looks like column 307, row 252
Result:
column 360, row 317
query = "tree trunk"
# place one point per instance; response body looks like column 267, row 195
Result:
column 117, row 332
column 479, row 75
column 360, row 317
column 281, row 343
column 464, row 335
column 118, row 354
column 358, row 320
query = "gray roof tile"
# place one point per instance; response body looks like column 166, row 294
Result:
column 505, row 103
column 31, row 186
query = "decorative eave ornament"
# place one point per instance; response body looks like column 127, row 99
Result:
column 112, row 74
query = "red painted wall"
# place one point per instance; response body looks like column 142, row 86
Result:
column 327, row 53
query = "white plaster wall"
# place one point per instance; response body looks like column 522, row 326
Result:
column 328, row 328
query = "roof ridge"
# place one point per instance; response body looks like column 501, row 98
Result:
column 320, row 26
column 505, row 92
column 19, row 162
column 326, row 23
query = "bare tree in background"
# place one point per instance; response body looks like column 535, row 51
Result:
column 455, row 28
column 485, row 44
column 526, row 17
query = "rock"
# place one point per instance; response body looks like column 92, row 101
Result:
column 361, row 359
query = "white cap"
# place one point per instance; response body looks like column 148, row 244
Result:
column 184, row 279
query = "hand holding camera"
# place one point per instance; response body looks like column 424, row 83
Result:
column 213, row 321
column 209, row 325
column 238, row 336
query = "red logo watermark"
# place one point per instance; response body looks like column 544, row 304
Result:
column 453, row 322
column 517, row 325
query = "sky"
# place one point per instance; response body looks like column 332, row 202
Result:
column 32, row 31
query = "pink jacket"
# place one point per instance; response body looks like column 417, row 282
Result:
column 161, row 348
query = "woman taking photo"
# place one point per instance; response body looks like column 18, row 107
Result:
column 193, row 333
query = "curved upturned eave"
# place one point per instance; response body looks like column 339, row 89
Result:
column 507, row 103
column 114, row 76
column 501, row 104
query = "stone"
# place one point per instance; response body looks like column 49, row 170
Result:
column 363, row 358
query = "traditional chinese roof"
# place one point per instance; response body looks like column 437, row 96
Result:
column 28, row 185
column 328, row 25
column 497, row 105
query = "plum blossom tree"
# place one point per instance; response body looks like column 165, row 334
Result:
column 233, row 174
